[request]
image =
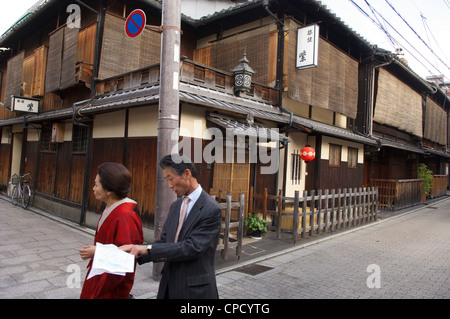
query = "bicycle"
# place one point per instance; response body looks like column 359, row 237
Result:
column 21, row 190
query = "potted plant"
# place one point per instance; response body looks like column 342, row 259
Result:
column 426, row 176
column 256, row 225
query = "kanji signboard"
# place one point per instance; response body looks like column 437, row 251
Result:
column 24, row 104
column 307, row 47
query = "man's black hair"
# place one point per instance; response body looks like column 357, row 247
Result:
column 179, row 163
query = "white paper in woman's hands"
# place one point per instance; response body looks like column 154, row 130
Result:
column 109, row 258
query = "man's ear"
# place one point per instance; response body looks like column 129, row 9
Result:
column 188, row 173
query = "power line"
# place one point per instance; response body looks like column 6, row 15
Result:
column 373, row 21
column 391, row 38
column 447, row 2
column 417, row 34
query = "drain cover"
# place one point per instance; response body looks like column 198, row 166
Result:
column 253, row 269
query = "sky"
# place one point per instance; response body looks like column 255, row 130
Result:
column 421, row 28
column 424, row 38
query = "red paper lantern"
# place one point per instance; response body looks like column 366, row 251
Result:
column 307, row 154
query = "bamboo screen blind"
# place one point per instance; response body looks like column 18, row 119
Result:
column 398, row 105
column 332, row 85
column 225, row 54
column 69, row 58
column 62, row 59
column 435, row 123
column 14, row 77
column 121, row 54
column 54, row 61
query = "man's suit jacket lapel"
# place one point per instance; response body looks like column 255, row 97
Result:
column 193, row 215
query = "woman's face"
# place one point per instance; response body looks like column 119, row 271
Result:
column 99, row 192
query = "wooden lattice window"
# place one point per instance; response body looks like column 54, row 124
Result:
column 79, row 139
column 295, row 167
column 352, row 157
column 46, row 144
column 335, row 155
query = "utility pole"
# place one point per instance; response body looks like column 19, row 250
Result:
column 168, row 115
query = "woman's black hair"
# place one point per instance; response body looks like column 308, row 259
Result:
column 115, row 178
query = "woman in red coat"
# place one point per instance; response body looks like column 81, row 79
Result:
column 118, row 225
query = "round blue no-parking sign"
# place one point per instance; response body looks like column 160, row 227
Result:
column 135, row 23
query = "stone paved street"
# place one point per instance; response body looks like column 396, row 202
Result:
column 412, row 252
column 39, row 256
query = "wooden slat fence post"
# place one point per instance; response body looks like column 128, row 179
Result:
column 344, row 210
column 375, row 202
column 333, row 213
column 364, row 218
column 279, row 211
column 226, row 231
column 339, row 210
column 265, row 203
column 295, row 216
column 359, row 206
column 326, row 215
column 240, row 231
column 319, row 211
column 304, row 205
column 355, row 206
column 250, row 201
column 311, row 216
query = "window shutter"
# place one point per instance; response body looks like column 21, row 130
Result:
column 40, row 65
column 14, row 77
column 55, row 49
column 69, row 59
column 435, row 123
column 398, row 105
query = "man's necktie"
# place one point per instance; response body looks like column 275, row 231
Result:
column 182, row 216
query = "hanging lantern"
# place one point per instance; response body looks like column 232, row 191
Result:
column 307, row 153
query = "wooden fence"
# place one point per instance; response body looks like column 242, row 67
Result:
column 439, row 187
column 320, row 212
column 270, row 204
column 232, row 230
column 395, row 194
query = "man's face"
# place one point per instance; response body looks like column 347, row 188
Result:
column 178, row 183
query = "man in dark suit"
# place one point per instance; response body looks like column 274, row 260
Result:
column 188, row 271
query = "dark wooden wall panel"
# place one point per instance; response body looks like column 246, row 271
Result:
column 141, row 161
column 63, row 170
column 46, row 173
column 5, row 164
column 77, row 178
column 30, row 158
column 340, row 177
column 103, row 150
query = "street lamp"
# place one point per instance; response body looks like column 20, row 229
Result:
column 242, row 76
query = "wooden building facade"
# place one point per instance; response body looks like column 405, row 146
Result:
column 99, row 93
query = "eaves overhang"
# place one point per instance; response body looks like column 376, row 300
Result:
column 400, row 145
column 431, row 151
column 334, row 131
column 240, row 127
